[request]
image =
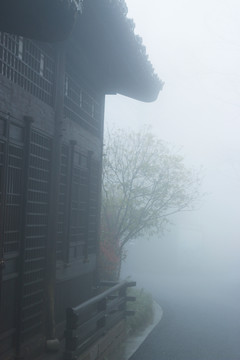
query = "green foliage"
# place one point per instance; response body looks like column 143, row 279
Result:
column 143, row 307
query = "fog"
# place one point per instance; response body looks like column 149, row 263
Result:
column 195, row 49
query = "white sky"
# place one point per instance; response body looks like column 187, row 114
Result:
column 194, row 47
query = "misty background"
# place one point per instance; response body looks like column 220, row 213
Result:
column 195, row 49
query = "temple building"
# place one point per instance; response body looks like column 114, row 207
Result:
column 53, row 83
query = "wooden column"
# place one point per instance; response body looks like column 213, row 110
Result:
column 54, row 190
column 28, row 124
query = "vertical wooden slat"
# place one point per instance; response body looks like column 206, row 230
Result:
column 11, row 229
column 54, row 191
column 69, row 201
column 20, row 291
column 4, row 186
column 89, row 180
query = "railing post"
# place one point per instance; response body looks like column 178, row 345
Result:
column 70, row 334
column 130, row 298
column 102, row 307
column 123, row 294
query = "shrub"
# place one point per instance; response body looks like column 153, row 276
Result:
column 143, row 307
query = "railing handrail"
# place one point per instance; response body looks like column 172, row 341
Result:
column 102, row 296
column 91, row 319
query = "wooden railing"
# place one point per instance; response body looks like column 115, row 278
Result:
column 87, row 322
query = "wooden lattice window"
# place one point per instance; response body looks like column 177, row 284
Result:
column 36, row 233
column 79, row 206
column 63, row 204
column 84, row 205
column 28, row 64
column 81, row 104
column 94, row 198
column 12, row 233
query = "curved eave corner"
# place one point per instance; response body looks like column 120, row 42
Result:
column 121, row 57
column 145, row 90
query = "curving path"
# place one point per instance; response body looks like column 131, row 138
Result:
column 199, row 323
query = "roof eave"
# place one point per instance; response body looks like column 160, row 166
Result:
column 124, row 68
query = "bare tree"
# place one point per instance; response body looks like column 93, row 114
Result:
column 144, row 182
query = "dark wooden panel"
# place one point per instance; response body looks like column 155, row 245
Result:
column 11, row 187
column 37, row 222
column 72, row 292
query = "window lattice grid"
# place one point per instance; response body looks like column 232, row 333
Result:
column 38, row 186
column 36, row 231
column 32, row 324
column 62, row 202
column 93, row 205
column 33, row 298
column 85, row 205
column 79, row 205
column 12, row 230
column 28, row 64
column 80, row 103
